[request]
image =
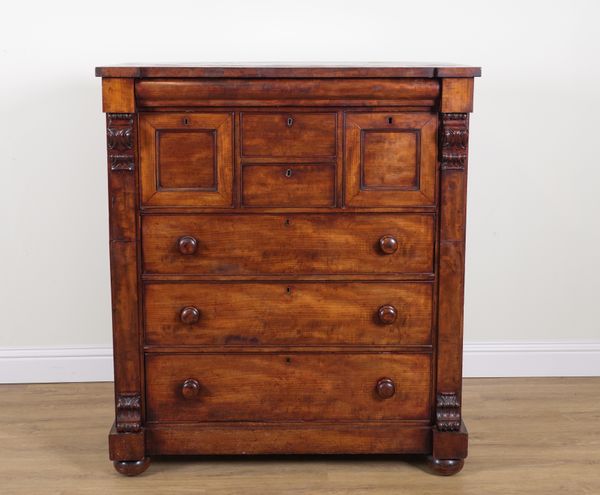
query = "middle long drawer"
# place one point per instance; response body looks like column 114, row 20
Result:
column 293, row 244
column 288, row 313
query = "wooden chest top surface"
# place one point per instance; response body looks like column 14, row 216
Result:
column 306, row 69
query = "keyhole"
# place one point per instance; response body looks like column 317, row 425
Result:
column 185, row 121
column 287, row 221
column 288, row 172
column 288, row 290
column 390, row 120
column 288, row 360
column 290, row 121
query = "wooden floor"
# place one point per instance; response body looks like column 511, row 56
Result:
column 528, row 436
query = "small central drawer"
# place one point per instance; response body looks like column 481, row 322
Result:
column 293, row 386
column 288, row 135
column 288, row 185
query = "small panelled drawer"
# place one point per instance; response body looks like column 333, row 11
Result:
column 288, row 135
column 294, row 244
column 288, row 185
column 286, row 313
column 294, row 386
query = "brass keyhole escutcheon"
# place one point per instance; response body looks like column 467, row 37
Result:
column 288, row 172
column 290, row 121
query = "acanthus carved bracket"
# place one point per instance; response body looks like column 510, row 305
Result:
column 447, row 412
column 129, row 413
column 454, row 141
column 119, row 141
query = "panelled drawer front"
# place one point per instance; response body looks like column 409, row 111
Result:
column 390, row 159
column 186, row 159
column 291, row 386
column 288, row 185
column 297, row 244
column 288, row 135
column 288, row 313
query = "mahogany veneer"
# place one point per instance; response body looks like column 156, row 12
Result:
column 287, row 259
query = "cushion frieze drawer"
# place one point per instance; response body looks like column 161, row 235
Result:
column 294, row 244
column 288, row 313
column 194, row 92
column 291, row 386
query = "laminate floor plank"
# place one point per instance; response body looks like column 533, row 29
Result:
column 527, row 436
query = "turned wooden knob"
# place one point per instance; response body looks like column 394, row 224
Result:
column 387, row 314
column 385, row 388
column 388, row 244
column 190, row 388
column 189, row 315
column 187, row 244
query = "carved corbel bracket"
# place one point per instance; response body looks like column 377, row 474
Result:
column 447, row 412
column 119, row 141
column 129, row 413
column 454, row 141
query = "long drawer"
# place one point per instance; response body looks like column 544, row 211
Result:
column 288, row 313
column 298, row 244
column 285, row 387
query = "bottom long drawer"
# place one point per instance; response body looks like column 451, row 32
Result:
column 295, row 386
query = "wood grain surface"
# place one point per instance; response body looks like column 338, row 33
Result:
column 288, row 244
column 289, row 185
column 186, row 159
column 153, row 93
column 286, row 313
column 288, row 135
column 390, row 158
column 288, row 386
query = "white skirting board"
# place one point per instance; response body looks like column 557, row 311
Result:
column 481, row 359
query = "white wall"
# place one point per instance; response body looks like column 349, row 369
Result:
column 533, row 232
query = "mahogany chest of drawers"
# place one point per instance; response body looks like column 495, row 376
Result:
column 287, row 259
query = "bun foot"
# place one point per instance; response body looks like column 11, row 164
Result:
column 445, row 467
column 132, row 468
